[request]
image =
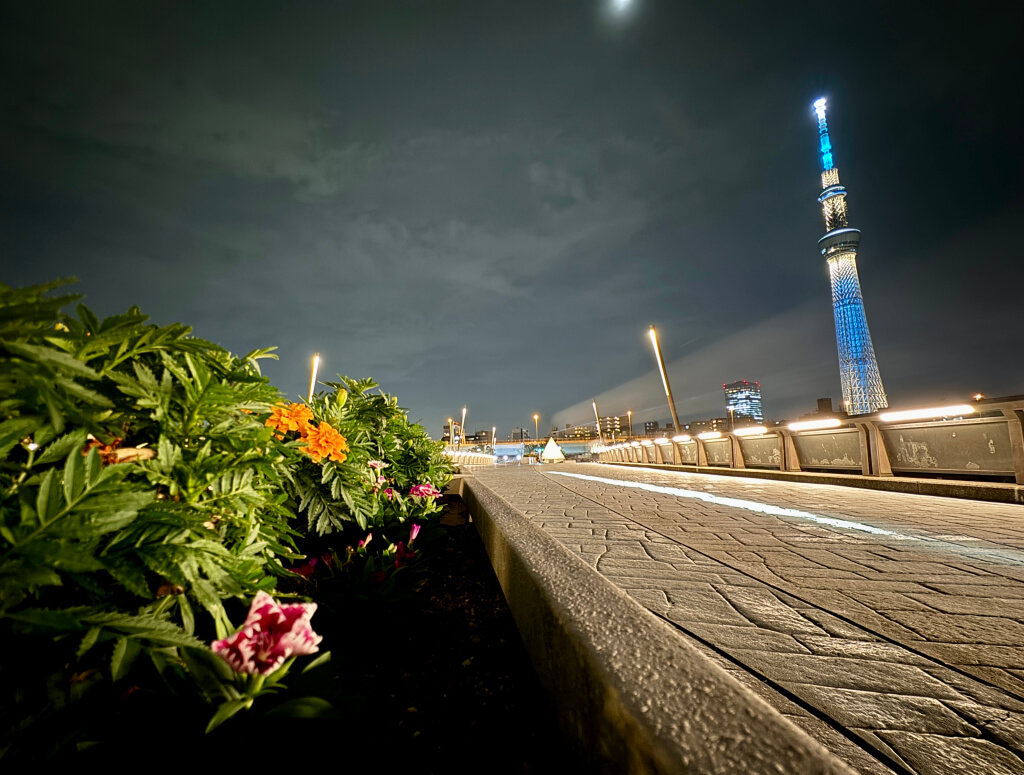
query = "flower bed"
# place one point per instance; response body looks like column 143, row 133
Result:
column 165, row 517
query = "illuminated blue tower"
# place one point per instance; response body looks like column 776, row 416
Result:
column 862, row 384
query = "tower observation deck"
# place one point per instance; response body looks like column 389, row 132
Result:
column 862, row 384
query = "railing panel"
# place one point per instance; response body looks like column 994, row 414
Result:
column 839, row 449
column 688, row 453
column 719, row 452
column 761, row 451
column 668, row 452
column 966, row 446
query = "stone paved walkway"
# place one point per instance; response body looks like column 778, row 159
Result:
column 889, row 626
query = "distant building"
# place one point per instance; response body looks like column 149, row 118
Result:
column 614, row 427
column 447, row 433
column 575, row 432
column 694, row 427
column 519, row 434
column 652, row 428
column 743, row 402
column 824, row 411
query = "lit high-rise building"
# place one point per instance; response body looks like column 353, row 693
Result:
column 743, row 402
column 862, row 384
column 613, row 427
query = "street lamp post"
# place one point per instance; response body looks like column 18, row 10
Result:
column 462, row 435
column 494, row 437
column 536, row 432
column 664, row 378
column 597, row 418
column 629, row 414
column 451, row 433
column 312, row 378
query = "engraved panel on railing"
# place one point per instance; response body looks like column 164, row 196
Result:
column 719, row 452
column 829, row 449
column 667, row 453
column 762, row 451
column 688, row 453
column 968, row 446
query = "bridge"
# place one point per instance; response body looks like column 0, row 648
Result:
column 978, row 442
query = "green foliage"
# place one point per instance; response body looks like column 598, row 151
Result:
column 348, row 497
column 136, row 479
column 142, row 493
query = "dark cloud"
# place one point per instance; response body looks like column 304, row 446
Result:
column 487, row 203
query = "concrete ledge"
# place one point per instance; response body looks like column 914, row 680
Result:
column 631, row 695
column 995, row 492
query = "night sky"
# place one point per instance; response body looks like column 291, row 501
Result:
column 488, row 203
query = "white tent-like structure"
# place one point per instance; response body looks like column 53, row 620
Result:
column 552, row 453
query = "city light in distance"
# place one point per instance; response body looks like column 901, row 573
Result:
column 927, row 414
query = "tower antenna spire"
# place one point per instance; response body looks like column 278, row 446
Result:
column 858, row 370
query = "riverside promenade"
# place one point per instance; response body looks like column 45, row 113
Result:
column 889, row 627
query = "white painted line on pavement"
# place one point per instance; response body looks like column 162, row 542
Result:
column 739, row 503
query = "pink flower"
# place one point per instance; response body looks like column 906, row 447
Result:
column 378, row 464
column 380, row 480
column 403, row 555
column 271, row 634
column 365, row 541
column 306, row 569
column 413, row 532
column 389, row 493
column 424, row 491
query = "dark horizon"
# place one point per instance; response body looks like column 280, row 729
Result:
column 485, row 205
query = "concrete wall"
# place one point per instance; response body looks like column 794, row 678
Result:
column 631, row 694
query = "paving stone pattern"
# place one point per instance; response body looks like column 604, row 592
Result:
column 900, row 652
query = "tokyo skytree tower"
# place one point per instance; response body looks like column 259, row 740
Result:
column 862, row 384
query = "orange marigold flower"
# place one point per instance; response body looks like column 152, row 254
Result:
column 324, row 441
column 290, row 417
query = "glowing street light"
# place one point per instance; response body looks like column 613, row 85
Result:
column 597, row 419
column 312, row 379
column 927, row 414
column 753, row 430
column 664, row 378
column 494, row 437
column 815, row 425
column 629, row 414
column 451, row 431
column 536, row 433
column 462, row 428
